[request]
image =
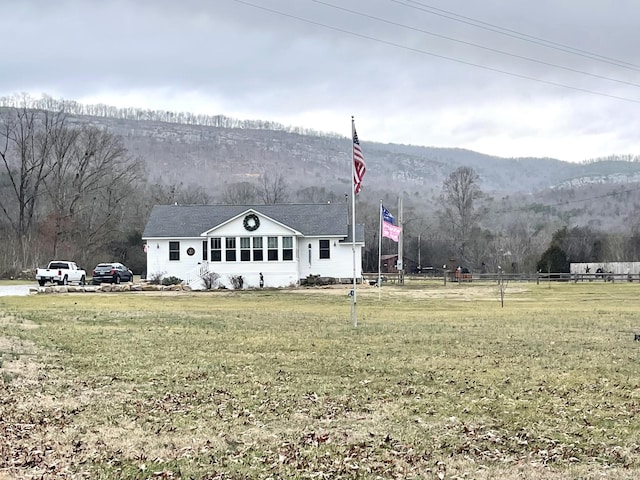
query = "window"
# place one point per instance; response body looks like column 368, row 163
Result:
column 216, row 249
column 287, row 248
column 230, row 252
column 204, row 250
column 258, row 254
column 58, row 266
column 174, row 250
column 245, row 249
column 272, row 249
column 324, row 249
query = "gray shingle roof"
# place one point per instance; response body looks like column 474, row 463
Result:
column 180, row 221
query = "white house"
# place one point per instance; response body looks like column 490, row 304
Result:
column 283, row 242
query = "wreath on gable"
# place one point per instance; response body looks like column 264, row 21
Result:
column 251, row 222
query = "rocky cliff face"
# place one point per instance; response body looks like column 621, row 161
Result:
column 210, row 156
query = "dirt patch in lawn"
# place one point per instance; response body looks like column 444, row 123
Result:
column 453, row 291
column 17, row 356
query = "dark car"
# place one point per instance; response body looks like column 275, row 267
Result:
column 111, row 273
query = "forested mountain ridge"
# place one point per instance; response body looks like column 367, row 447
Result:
column 207, row 156
column 91, row 199
column 548, row 193
column 545, row 191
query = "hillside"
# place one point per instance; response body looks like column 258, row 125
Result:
column 214, row 152
column 522, row 203
column 210, row 156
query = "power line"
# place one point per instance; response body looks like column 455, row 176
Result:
column 569, row 202
column 476, row 45
column 436, row 55
column 515, row 34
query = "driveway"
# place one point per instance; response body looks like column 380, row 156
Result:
column 14, row 290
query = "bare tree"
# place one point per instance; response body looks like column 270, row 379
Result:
column 621, row 247
column 632, row 244
column 503, row 282
column 105, row 178
column 316, row 194
column 459, row 191
column 193, row 195
column 58, row 183
column 26, row 140
column 515, row 249
column 241, row 193
column 180, row 194
column 274, row 189
column 90, row 178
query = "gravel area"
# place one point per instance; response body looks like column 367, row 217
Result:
column 14, row 290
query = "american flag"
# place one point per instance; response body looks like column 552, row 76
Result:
column 359, row 166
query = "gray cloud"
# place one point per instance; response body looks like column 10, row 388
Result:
column 403, row 85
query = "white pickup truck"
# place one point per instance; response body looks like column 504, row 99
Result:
column 61, row 272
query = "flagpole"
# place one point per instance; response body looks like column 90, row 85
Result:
column 400, row 262
column 354, row 303
column 380, row 252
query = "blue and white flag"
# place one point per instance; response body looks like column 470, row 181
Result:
column 386, row 216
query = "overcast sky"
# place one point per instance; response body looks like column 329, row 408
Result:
column 443, row 73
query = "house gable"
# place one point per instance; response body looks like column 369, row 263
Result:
column 192, row 221
column 251, row 222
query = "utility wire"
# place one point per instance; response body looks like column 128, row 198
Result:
column 444, row 57
column 567, row 202
column 483, row 47
column 515, row 34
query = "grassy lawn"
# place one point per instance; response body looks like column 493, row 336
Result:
column 9, row 283
column 435, row 382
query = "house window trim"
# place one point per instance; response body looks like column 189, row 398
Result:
column 288, row 250
column 220, row 247
column 230, row 251
column 175, row 251
column 245, row 252
column 255, row 249
column 216, row 252
column 322, row 250
column 275, row 249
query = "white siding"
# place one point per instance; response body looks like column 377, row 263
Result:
column 340, row 263
column 159, row 265
column 279, row 273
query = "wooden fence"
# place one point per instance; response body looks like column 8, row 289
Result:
column 540, row 277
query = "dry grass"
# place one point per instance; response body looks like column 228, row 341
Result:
column 436, row 382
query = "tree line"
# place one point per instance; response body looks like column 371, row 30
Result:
column 74, row 192
column 69, row 191
column 64, row 190
column 72, row 107
column 458, row 233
